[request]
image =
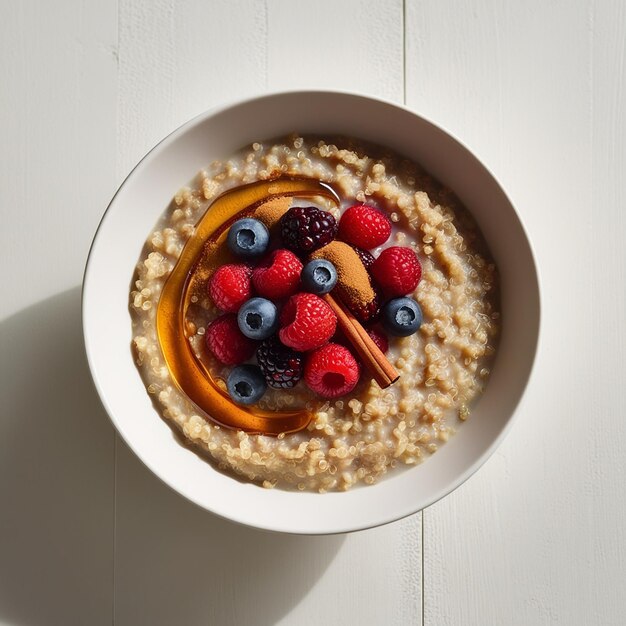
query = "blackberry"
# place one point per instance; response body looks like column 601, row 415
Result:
column 281, row 366
column 305, row 229
column 366, row 257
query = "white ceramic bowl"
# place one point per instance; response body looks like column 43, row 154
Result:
column 215, row 135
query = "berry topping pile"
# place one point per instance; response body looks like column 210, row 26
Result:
column 272, row 296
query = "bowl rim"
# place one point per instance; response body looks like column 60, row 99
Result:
column 268, row 94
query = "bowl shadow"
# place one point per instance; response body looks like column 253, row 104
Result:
column 89, row 535
column 56, row 473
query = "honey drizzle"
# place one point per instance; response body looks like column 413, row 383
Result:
column 187, row 371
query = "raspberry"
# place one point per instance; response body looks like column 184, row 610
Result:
column 331, row 371
column 397, row 270
column 366, row 257
column 278, row 276
column 229, row 287
column 281, row 366
column 364, row 226
column 307, row 322
column 305, row 229
column 229, row 345
column 379, row 338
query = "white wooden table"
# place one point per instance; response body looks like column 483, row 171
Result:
column 537, row 536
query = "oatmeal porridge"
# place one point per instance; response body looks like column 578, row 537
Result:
column 330, row 317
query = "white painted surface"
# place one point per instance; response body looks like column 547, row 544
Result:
column 537, row 89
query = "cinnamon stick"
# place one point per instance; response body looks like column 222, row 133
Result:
column 373, row 358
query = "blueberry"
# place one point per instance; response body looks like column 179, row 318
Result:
column 246, row 384
column 319, row 276
column 248, row 238
column 258, row 318
column 402, row 317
